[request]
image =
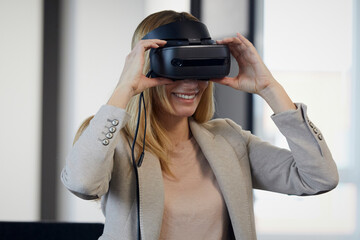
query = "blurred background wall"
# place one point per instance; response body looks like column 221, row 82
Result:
column 20, row 104
column 60, row 61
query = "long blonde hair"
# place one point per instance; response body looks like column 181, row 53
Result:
column 157, row 139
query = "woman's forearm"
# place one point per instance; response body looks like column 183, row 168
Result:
column 120, row 97
column 277, row 98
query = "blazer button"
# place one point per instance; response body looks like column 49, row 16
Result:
column 320, row 137
column 105, row 142
column 315, row 130
column 109, row 135
column 311, row 124
column 115, row 122
column 112, row 129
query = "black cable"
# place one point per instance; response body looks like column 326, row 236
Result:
column 136, row 132
column 136, row 170
column 135, row 166
column 143, row 151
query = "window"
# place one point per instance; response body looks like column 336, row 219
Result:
column 308, row 46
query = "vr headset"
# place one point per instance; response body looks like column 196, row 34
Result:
column 188, row 54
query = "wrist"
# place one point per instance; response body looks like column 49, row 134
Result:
column 272, row 87
column 120, row 97
column 277, row 98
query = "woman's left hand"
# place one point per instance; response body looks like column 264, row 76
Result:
column 253, row 76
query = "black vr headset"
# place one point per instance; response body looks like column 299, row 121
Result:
column 188, row 54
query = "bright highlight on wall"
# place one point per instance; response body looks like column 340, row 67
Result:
column 308, row 48
column 151, row 6
column 20, row 104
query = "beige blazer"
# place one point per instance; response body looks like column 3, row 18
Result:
column 239, row 160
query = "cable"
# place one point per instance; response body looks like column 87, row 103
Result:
column 136, row 133
column 143, row 151
column 140, row 160
column 136, row 170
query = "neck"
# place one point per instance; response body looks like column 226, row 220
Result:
column 177, row 127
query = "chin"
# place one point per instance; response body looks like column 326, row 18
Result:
column 184, row 113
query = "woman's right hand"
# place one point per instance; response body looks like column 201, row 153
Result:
column 132, row 80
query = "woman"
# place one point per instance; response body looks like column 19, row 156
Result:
column 197, row 176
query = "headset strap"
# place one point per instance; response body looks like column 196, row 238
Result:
column 192, row 31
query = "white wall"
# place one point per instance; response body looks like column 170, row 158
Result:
column 355, row 100
column 225, row 19
column 311, row 58
column 20, row 105
column 96, row 38
column 151, row 6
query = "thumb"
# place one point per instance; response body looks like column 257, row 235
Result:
column 228, row 81
column 152, row 82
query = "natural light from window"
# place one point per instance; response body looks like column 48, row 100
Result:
column 308, row 48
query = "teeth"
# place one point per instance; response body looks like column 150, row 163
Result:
column 184, row 96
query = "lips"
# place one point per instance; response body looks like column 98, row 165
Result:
column 185, row 96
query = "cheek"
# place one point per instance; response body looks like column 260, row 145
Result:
column 169, row 88
column 203, row 85
column 168, row 91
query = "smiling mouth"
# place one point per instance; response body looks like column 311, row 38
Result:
column 185, row 96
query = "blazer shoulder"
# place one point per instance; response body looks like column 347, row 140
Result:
column 225, row 127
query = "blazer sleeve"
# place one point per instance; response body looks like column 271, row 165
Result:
column 90, row 162
column 307, row 169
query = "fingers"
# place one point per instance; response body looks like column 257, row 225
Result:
column 227, row 81
column 161, row 81
column 144, row 45
column 132, row 75
column 242, row 49
column 236, row 45
column 153, row 82
column 239, row 39
column 244, row 40
column 230, row 41
column 137, row 53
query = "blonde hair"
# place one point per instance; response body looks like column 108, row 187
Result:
column 157, row 139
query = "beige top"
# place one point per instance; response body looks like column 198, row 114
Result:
column 194, row 206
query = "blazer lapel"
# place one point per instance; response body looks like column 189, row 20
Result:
column 230, row 176
column 151, row 190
